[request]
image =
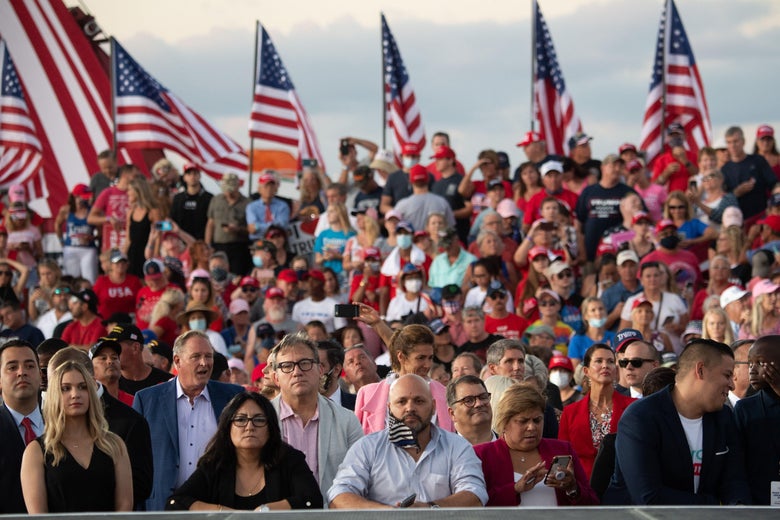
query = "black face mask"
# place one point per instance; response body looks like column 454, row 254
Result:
column 670, row 242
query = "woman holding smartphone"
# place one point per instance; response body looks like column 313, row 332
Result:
column 523, row 469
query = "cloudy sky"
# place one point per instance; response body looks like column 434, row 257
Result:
column 469, row 62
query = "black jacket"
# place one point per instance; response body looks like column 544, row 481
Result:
column 11, row 451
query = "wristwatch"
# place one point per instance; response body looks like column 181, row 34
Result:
column 573, row 493
column 434, row 505
column 263, row 508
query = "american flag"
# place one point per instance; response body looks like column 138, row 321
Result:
column 277, row 112
column 148, row 115
column 676, row 81
column 20, row 148
column 403, row 115
column 554, row 106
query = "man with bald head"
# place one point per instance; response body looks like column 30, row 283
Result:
column 410, row 458
column 758, row 421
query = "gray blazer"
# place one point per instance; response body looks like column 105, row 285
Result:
column 338, row 430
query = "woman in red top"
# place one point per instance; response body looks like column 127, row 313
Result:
column 116, row 291
column 585, row 423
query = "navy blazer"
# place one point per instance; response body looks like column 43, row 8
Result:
column 158, row 405
column 653, row 463
column 758, row 422
column 11, row 451
column 348, row 400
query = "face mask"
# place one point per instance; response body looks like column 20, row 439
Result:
column 404, row 241
column 258, row 261
column 597, row 323
column 234, row 349
column 451, row 307
column 198, row 324
column 413, row 286
column 374, row 266
column 408, row 162
column 560, row 378
column 219, row 275
column 670, row 242
column 300, row 272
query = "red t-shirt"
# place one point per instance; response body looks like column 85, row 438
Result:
column 114, row 203
column 371, row 286
column 679, row 179
column 116, row 297
column 77, row 334
column 533, row 208
column 511, row 327
column 145, row 303
column 170, row 329
column 481, row 187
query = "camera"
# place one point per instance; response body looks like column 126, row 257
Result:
column 344, row 147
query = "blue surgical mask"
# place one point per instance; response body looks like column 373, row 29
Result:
column 234, row 349
column 408, row 162
column 258, row 261
column 404, row 241
column 198, row 324
column 597, row 323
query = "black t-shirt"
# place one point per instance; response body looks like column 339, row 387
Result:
column 752, row 166
column 598, row 209
column 448, row 188
column 155, row 377
column 479, row 348
column 190, row 212
column 368, row 200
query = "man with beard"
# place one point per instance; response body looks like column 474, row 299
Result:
column 758, row 421
column 86, row 328
column 377, row 472
column 105, row 365
column 332, row 362
column 58, row 313
column 469, row 407
column 679, row 446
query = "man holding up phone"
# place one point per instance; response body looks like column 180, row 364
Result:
column 676, row 165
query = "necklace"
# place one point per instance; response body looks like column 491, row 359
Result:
column 254, row 489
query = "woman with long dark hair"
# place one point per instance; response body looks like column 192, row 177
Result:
column 247, row 465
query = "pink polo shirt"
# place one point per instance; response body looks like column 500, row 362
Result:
column 301, row 437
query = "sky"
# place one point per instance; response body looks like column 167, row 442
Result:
column 468, row 61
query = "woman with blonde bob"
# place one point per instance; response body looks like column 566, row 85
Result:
column 77, row 465
column 516, row 465
column 715, row 325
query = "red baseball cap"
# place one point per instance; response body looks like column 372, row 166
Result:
column 316, row 274
column 641, row 301
column 189, row 166
column 537, row 251
column 372, row 252
column 530, row 138
column 410, row 149
column 249, row 280
column 633, row 165
column 561, row 362
column 266, row 178
column 418, row 173
column 663, row 224
column 605, row 248
column 626, row 147
column 444, row 152
column 641, row 215
column 287, row 275
column 765, row 131
column 82, row 191
column 773, row 221
column 274, row 292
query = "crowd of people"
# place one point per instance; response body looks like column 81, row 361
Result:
column 578, row 332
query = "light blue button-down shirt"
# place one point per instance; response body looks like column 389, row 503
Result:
column 255, row 214
column 197, row 424
column 377, row 470
column 443, row 273
column 35, row 418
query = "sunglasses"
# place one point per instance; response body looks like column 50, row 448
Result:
column 676, row 207
column 249, row 288
column 497, row 296
column 548, row 303
column 62, row 290
column 565, row 274
column 5, row 273
column 634, row 362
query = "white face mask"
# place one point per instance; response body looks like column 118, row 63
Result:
column 560, row 378
column 408, row 162
column 404, row 241
column 413, row 286
column 198, row 324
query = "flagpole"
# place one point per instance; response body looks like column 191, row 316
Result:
column 382, row 84
column 113, row 95
column 533, row 58
column 252, row 139
column 663, row 70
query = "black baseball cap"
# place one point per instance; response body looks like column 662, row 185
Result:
column 126, row 332
column 89, row 297
column 104, row 343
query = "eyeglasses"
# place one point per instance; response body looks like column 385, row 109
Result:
column 249, row 288
column 258, row 421
column 5, row 273
column 565, row 274
column 497, row 296
column 471, row 400
column 62, row 290
column 305, row 365
column 548, row 303
column 710, row 176
column 634, row 362
column 676, row 207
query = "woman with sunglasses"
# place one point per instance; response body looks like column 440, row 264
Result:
column 247, row 465
column 585, row 423
column 694, row 234
column 549, row 305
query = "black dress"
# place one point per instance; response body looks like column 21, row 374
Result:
column 70, row 488
column 138, row 237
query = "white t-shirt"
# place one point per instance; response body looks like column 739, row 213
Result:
column 540, row 496
column 325, row 311
column 694, row 432
column 400, row 306
column 476, row 297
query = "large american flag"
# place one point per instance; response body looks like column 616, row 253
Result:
column 148, row 115
column 20, row 148
column 403, row 114
column 554, row 106
column 675, row 78
column 277, row 112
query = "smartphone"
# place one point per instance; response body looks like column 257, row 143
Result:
column 559, row 463
column 310, row 163
column 347, row 310
column 547, row 226
column 408, row 501
column 692, row 184
column 163, row 225
column 344, row 147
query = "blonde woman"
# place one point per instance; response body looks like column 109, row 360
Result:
column 367, row 235
column 716, row 326
column 77, row 465
column 764, row 317
column 142, row 214
column 171, row 303
column 330, row 244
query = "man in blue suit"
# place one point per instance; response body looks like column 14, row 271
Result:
column 182, row 414
column 679, row 446
column 758, row 420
